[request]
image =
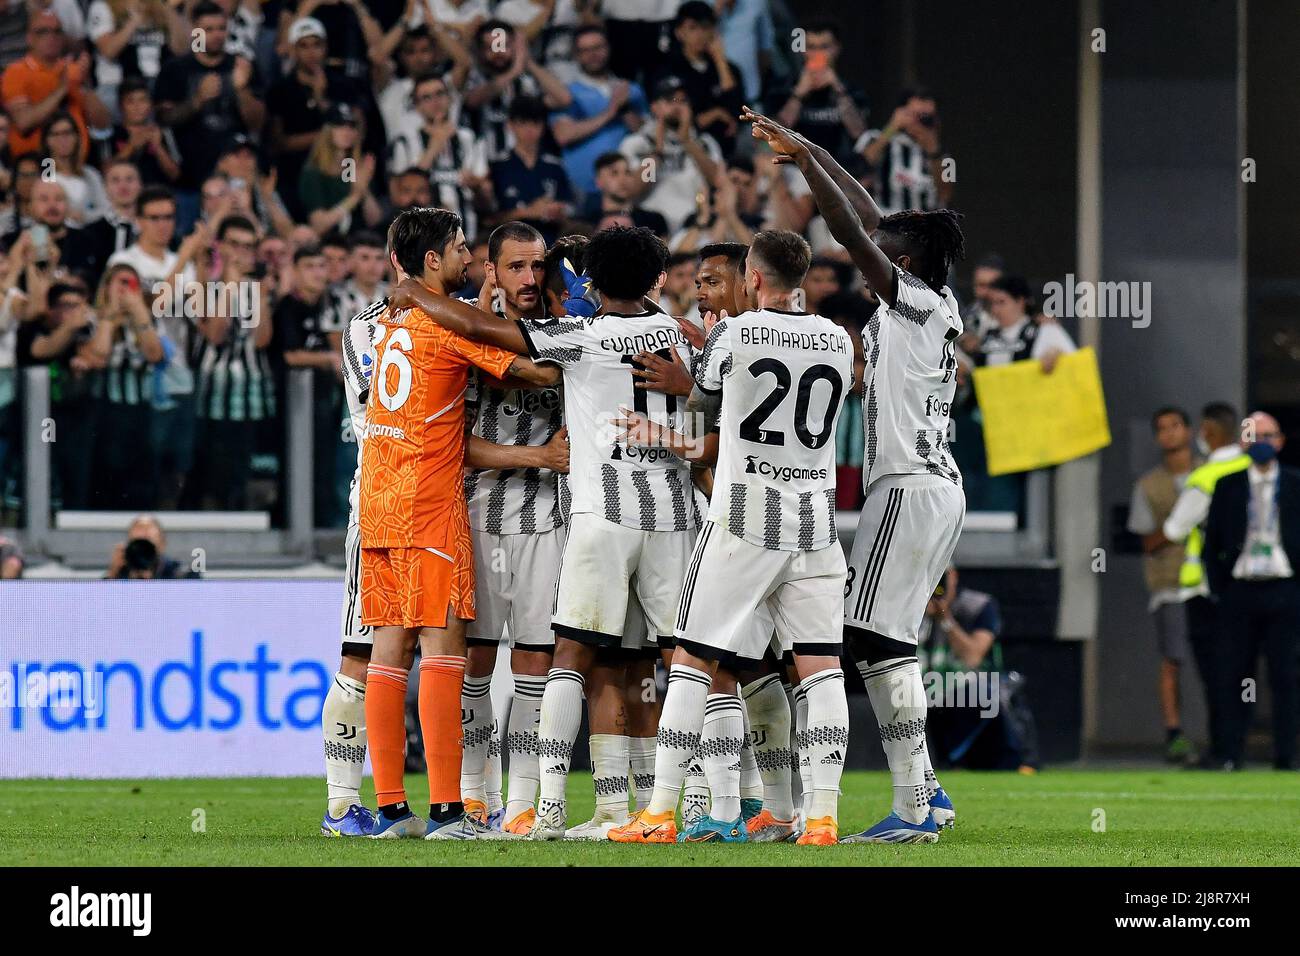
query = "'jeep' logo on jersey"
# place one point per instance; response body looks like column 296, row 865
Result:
column 539, row 401
column 757, row 466
column 934, row 406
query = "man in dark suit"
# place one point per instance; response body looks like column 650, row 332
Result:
column 1252, row 547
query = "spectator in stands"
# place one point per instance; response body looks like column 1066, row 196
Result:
column 1017, row 337
column 408, row 188
column 13, row 313
column 417, row 56
column 711, row 81
column 718, row 217
column 64, row 339
column 206, row 97
column 551, row 27
column 616, row 194
column 334, row 188
column 449, row 155
column 55, row 244
column 13, row 32
column 679, row 290
column 334, row 249
column 530, row 185
column 300, row 103
column 366, row 280
column 348, row 27
column 684, row 162
column 142, row 556
column 825, row 278
column 604, row 109
column 905, row 157
column 461, row 16
column 26, row 170
column 140, row 139
column 850, row 312
column 820, row 106
column 505, row 69
column 639, row 32
column 124, row 465
column 749, row 38
column 244, row 23
column 1219, row 432
column 12, row 561
column 1154, row 495
column 235, row 384
column 238, row 164
column 46, row 82
column 84, row 186
column 132, row 40
column 1252, row 545
column 305, row 338
column 977, row 316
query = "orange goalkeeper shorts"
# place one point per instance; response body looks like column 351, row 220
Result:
column 414, row 587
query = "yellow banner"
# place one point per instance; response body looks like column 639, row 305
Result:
column 1032, row 419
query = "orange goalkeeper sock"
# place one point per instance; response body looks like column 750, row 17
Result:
column 386, row 731
column 440, row 682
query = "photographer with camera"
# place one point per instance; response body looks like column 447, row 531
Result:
column 141, row 556
column 905, row 157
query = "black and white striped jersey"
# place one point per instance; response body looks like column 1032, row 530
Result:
column 513, row 500
column 783, row 378
column 359, row 339
column 644, row 488
column 911, row 377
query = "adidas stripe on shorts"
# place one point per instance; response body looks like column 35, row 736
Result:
column 904, row 542
column 353, row 631
column 730, row 579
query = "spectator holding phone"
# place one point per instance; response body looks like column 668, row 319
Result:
column 905, row 157
column 820, row 106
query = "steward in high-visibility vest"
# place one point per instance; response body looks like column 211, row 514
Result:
column 1204, row 478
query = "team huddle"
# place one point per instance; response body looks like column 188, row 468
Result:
column 563, row 464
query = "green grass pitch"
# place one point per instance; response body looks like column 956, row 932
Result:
column 1060, row 817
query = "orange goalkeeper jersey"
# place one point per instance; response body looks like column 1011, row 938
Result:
column 412, row 472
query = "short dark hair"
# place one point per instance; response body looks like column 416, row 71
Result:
column 625, row 262
column 573, row 248
column 909, row 93
column 1223, row 415
column 516, row 230
column 417, row 231
column 235, row 222
column 586, row 28
column 696, row 11
column 605, row 160
column 850, row 306
column 334, row 239
column 530, row 109
column 62, row 289
column 733, row 252
column 823, row 25
column 423, row 78
column 677, row 258
column 1164, row 410
column 153, row 194
column 207, row 9
column 843, row 274
column 933, row 239
column 1013, row 285
column 365, row 239
column 744, row 163
column 132, row 84
column 991, row 260
column 311, row 250
column 785, row 254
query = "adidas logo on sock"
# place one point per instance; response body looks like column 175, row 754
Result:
column 735, row 766
column 805, row 762
column 833, row 757
column 557, row 769
column 919, row 747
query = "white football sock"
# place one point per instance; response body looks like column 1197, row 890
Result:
column 679, row 733
column 492, row 772
column 476, row 724
column 827, row 739
column 931, row 781
column 521, row 743
column 343, row 722
column 556, row 732
column 898, row 699
column 720, row 746
column 609, row 766
column 641, row 755
column 751, row 782
column 801, row 760
column 769, row 718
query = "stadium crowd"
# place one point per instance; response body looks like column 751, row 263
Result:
column 195, row 196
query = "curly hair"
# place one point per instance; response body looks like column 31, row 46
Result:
column 625, row 262
column 933, row 240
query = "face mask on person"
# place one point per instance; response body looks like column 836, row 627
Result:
column 1202, row 446
column 1262, row 452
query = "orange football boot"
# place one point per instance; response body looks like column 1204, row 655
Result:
column 646, row 827
column 823, row 831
